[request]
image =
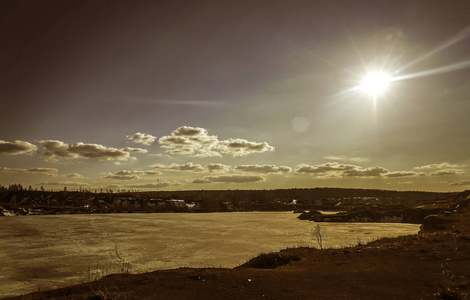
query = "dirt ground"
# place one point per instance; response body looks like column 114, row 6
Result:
column 434, row 264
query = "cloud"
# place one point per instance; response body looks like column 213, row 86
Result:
column 459, row 183
column 215, row 168
column 160, row 184
column 122, row 175
column 345, row 158
column 129, row 175
column 403, row 174
column 439, row 166
column 196, row 141
column 200, row 181
column 134, row 150
column 73, row 175
column 328, row 169
column 152, row 172
column 190, row 167
column 55, row 150
column 367, row 172
column 40, row 171
column 179, row 167
column 193, row 141
column 142, row 138
column 233, row 178
column 263, row 169
column 446, row 172
column 240, row 147
column 346, row 170
column 63, row 183
column 16, row 147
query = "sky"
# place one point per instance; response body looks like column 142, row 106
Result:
column 190, row 95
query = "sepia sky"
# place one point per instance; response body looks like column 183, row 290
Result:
column 174, row 95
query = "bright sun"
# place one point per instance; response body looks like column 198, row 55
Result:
column 375, row 83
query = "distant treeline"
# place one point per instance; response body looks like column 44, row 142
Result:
column 18, row 200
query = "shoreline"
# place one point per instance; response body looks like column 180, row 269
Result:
column 428, row 265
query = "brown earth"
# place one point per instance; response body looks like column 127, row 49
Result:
column 435, row 264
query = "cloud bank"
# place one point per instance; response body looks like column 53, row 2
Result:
column 40, row 171
column 159, row 184
column 16, row 147
column 443, row 165
column 446, row 172
column 55, row 150
column 346, row 170
column 230, row 179
column 190, row 167
column 129, row 175
column 263, row 169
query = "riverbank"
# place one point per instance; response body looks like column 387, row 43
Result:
column 56, row 251
column 434, row 264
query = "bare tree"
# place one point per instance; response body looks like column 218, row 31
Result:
column 319, row 235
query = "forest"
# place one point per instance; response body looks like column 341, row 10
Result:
column 16, row 199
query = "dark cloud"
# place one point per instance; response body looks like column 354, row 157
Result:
column 446, row 172
column 160, row 184
column 121, row 176
column 55, row 150
column 331, row 168
column 201, row 181
column 152, row 172
column 263, row 169
column 16, row 147
column 179, row 167
column 241, row 147
column 40, row 171
column 141, row 138
column 234, row 178
column 196, row 141
column 217, row 168
column 367, row 172
column 129, row 175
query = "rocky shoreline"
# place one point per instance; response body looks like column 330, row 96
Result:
column 373, row 214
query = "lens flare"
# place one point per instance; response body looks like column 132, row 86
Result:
column 375, row 83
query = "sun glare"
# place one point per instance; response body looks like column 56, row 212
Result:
column 375, row 83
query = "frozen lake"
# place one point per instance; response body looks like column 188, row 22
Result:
column 45, row 252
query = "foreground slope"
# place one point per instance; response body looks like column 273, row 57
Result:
column 435, row 264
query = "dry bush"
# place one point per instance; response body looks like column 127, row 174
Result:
column 319, row 235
